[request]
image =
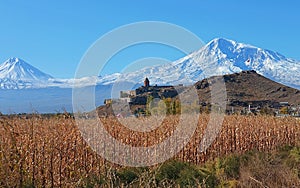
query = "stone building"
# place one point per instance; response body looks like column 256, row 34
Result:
column 146, row 82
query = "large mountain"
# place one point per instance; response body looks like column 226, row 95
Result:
column 15, row 73
column 218, row 57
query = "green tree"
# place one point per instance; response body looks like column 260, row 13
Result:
column 150, row 98
column 168, row 103
column 284, row 110
column 177, row 106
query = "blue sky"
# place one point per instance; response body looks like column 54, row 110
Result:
column 54, row 35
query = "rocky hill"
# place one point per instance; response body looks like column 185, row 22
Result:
column 248, row 87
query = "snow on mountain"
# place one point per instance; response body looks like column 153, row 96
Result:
column 18, row 69
column 218, row 57
column 15, row 73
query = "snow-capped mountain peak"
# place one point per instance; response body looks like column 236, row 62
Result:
column 219, row 56
column 220, row 43
column 234, row 49
column 17, row 69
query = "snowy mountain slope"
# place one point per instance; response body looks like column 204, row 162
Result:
column 18, row 69
column 15, row 73
column 220, row 56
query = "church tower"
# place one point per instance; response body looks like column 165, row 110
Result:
column 146, row 82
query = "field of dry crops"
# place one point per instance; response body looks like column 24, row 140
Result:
column 50, row 152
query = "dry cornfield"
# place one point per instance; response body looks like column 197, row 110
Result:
column 50, row 151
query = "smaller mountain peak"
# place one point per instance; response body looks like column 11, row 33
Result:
column 17, row 69
column 14, row 60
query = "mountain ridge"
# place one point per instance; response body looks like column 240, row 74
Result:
column 218, row 57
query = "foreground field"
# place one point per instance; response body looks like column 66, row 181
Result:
column 50, row 152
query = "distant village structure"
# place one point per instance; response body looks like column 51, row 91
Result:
column 278, row 109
